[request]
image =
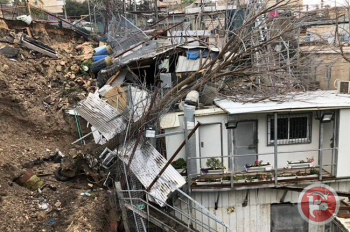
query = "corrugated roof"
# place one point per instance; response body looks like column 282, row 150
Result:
column 101, row 115
column 146, row 165
column 185, row 65
column 293, row 101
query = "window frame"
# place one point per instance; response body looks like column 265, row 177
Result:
column 288, row 141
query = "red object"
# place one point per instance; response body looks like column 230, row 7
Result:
column 256, row 162
column 274, row 15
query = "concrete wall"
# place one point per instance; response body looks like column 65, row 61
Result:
column 327, row 68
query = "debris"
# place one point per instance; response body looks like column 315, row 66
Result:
column 38, row 46
column 58, row 68
column 9, row 52
column 30, row 181
column 101, row 64
column 25, row 18
column 41, row 215
column 58, row 204
column 103, row 50
column 85, row 194
column 44, row 206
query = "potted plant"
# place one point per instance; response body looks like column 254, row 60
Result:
column 208, row 181
column 309, row 162
column 258, row 166
column 282, row 176
column 180, row 165
column 215, row 166
column 236, row 178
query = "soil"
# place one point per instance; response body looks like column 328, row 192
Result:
column 34, row 95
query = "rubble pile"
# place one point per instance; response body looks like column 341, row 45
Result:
column 35, row 91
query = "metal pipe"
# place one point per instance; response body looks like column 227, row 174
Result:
column 275, row 139
column 281, row 152
column 173, row 157
column 320, row 157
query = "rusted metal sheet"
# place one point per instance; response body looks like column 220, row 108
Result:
column 101, row 115
column 146, row 165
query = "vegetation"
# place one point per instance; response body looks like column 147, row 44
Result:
column 179, row 163
column 75, row 8
column 214, row 164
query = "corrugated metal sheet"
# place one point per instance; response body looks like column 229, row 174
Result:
column 185, row 65
column 170, row 120
column 306, row 100
column 140, row 101
column 146, row 165
column 101, row 115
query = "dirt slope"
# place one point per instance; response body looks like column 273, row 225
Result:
column 33, row 96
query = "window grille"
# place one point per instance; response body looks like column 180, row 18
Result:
column 291, row 129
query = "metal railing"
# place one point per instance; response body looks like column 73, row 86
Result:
column 321, row 165
column 184, row 212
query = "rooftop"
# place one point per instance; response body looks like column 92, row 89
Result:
column 290, row 102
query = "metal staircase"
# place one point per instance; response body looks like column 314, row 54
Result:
column 181, row 216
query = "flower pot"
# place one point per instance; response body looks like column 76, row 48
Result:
column 259, row 168
column 286, row 177
column 208, row 183
column 308, row 176
column 212, row 171
column 300, row 165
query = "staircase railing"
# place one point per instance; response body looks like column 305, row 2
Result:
column 170, row 216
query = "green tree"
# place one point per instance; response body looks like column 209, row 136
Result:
column 75, row 8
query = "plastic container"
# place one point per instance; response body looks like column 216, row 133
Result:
column 97, row 58
column 103, row 50
column 25, row 18
column 101, row 64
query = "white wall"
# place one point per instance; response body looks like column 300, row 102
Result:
column 256, row 215
column 173, row 142
column 343, row 167
column 284, row 157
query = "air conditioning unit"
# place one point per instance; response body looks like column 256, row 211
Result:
column 344, row 87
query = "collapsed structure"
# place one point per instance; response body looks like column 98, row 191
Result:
column 226, row 94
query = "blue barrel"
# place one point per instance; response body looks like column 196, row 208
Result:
column 97, row 58
column 103, row 50
column 101, row 64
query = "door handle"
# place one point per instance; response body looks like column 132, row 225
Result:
column 202, row 144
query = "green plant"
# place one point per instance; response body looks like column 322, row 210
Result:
column 313, row 172
column 179, row 163
column 250, row 179
column 215, row 164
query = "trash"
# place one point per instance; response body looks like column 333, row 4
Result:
column 85, row 194
column 44, row 206
column 38, row 46
column 25, row 18
column 107, row 157
column 90, row 185
column 30, row 181
column 9, row 52
column 41, row 215
column 50, row 222
column 58, row 204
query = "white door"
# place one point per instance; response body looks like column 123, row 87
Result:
column 210, row 142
